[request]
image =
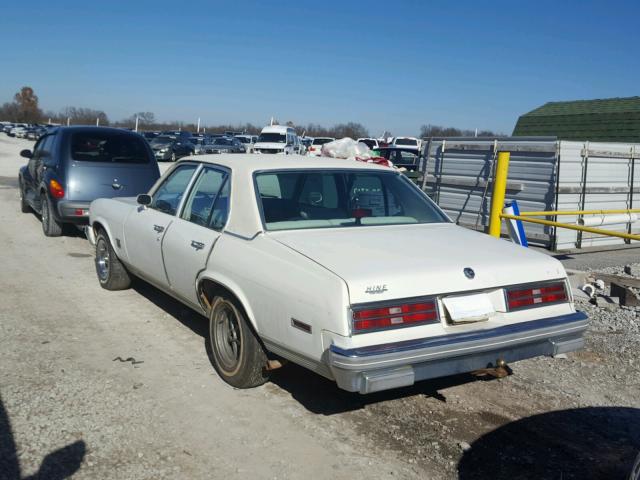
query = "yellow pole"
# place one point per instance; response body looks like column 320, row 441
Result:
column 598, row 231
column 499, row 190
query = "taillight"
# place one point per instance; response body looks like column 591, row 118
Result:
column 56, row 189
column 536, row 296
column 367, row 319
column 312, row 149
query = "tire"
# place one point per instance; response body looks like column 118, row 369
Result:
column 24, row 206
column 50, row 226
column 173, row 157
column 111, row 273
column 242, row 365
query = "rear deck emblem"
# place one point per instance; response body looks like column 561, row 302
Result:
column 376, row 289
column 469, row 273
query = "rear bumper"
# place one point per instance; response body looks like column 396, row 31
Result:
column 382, row 367
column 68, row 212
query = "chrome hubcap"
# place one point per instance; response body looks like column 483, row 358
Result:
column 227, row 337
column 102, row 260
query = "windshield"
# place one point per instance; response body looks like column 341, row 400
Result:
column 306, row 199
column 222, row 141
column 272, row 138
column 244, row 139
column 161, row 141
column 406, row 141
column 108, row 147
column 322, row 141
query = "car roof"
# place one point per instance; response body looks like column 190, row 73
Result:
column 247, row 163
column 276, row 129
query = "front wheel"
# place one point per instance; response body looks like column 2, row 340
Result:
column 112, row 274
column 24, row 206
column 238, row 356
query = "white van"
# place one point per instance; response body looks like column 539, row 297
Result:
column 277, row 139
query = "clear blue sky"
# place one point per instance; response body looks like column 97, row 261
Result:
column 389, row 65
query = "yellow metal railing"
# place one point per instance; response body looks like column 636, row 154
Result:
column 497, row 203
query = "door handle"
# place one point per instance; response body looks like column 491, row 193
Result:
column 197, row 245
column 158, row 228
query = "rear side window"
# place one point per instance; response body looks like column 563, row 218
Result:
column 108, row 147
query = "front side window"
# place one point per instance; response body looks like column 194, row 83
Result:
column 108, row 147
column 167, row 197
column 199, row 205
column 341, row 198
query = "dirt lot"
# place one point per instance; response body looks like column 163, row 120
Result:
column 100, row 385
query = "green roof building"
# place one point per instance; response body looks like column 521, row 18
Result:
column 606, row 120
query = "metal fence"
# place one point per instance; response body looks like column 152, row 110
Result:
column 544, row 174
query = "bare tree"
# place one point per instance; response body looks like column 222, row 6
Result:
column 427, row 131
column 24, row 107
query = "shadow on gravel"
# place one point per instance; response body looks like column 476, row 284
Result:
column 584, row 443
column 190, row 319
column 322, row 396
column 57, row 465
column 314, row 392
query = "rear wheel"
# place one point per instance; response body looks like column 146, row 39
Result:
column 50, row 226
column 112, row 274
column 238, row 356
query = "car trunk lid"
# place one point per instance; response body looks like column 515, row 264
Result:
column 391, row 262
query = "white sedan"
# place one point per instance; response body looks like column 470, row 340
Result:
column 343, row 267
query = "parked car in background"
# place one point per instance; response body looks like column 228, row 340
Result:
column 406, row 142
column 277, row 139
column 223, row 145
column 248, row 141
column 407, row 158
column 217, row 234
column 315, row 149
column 176, row 134
column 199, row 143
column 171, row 148
column 372, row 143
column 20, row 132
column 149, row 135
column 16, row 128
column 71, row 166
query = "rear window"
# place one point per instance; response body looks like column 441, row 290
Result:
column 108, row 147
column 406, row 141
column 293, row 200
column 322, row 141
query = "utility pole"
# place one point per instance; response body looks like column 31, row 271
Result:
column 137, row 120
column 68, row 121
column 198, row 127
column 97, row 121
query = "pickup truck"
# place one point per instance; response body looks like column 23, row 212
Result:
column 343, row 267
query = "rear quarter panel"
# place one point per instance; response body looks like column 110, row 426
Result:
column 276, row 285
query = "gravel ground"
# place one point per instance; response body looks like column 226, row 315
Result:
column 68, row 407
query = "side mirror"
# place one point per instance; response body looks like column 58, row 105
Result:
column 26, row 153
column 144, row 199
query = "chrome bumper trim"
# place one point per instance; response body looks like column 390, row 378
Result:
column 380, row 367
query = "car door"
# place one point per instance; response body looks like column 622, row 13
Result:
column 32, row 166
column 189, row 241
column 146, row 227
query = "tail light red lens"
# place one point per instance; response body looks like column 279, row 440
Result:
column 395, row 315
column 536, row 296
column 56, row 189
